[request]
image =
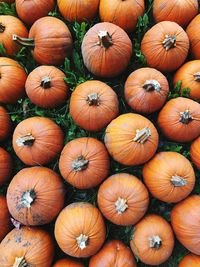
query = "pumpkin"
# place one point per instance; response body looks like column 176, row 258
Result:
column 165, row 46
column 5, row 123
column 190, row 260
column 195, row 152
column 131, row 139
column 169, row 176
column 67, row 263
column 80, row 230
column 146, row 90
column 5, row 222
column 78, row 10
column 181, row 12
column 122, row 13
column 194, row 36
column 104, row 47
column 46, row 88
column 11, row 71
column 179, row 119
column 152, row 240
column 50, row 45
column 185, row 217
column 37, row 140
column 84, row 162
column 93, row 105
column 123, row 199
column 7, row 1
column 5, row 166
column 27, row 247
column 114, row 253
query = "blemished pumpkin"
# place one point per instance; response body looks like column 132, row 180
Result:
column 27, row 247
column 105, row 46
column 67, row 263
column 37, row 140
column 122, row 13
column 93, row 105
column 113, row 253
column 195, row 152
column 5, row 222
column 5, row 123
column 84, row 162
column 165, row 46
column 169, row 176
column 179, row 119
column 193, row 33
column 80, row 230
column 123, row 199
column 6, row 166
column 131, row 139
column 46, row 88
column 146, row 90
column 190, row 260
column 152, row 240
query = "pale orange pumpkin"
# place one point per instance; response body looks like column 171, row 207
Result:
column 195, row 152
column 190, row 260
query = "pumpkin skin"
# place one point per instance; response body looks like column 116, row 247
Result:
column 195, row 152
column 46, row 88
column 122, row 13
column 6, row 166
column 37, row 140
column 179, row 119
column 84, row 162
column 165, row 46
column 123, row 199
column 146, row 90
column 153, row 240
column 31, row 246
column 5, row 123
column 5, row 222
column 194, row 37
column 114, row 253
column 80, row 230
column 131, row 139
column 104, row 47
column 190, row 260
column 8, row 1
column 67, row 263
column 173, row 180
column 93, row 105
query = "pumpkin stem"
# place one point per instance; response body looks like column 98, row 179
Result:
column 93, row 99
column 142, row 135
column 169, row 42
column 151, row 85
column 178, row 181
column 27, row 198
column 155, row 242
column 24, row 41
column 80, row 164
column 26, row 140
column 82, row 241
column 197, row 77
column 185, row 117
column 105, row 39
column 120, row 205
column 46, row 82
column 2, row 27
column 20, row 262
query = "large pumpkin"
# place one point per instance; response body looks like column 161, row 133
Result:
column 123, row 199
column 80, row 230
column 131, row 139
column 93, row 105
column 67, row 263
column 165, row 46
column 169, row 176
column 37, row 140
column 179, row 119
column 5, row 222
column 195, row 152
column 106, row 50
column 5, row 166
column 84, row 162
column 5, row 123
column 152, row 240
column 190, row 260
column 146, row 90
column 193, row 33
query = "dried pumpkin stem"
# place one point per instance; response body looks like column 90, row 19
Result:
column 121, row 205
column 46, row 82
column 93, row 99
column 155, row 242
column 26, row 140
column 197, row 77
column 185, row 117
column 2, row 27
column 169, row 42
column 178, row 181
column 80, row 164
column 105, row 39
column 20, row 262
column 82, row 241
column 27, row 198
column 151, row 85
column 142, row 135
column 24, row 41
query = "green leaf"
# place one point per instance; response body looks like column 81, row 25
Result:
column 2, row 50
column 6, row 9
column 185, row 92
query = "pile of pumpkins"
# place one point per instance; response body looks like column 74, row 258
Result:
column 36, row 194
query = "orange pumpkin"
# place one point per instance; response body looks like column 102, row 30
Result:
column 93, row 105
column 195, row 152
column 5, row 222
column 104, row 47
column 193, row 33
column 84, row 162
column 80, row 230
column 169, row 176
column 179, row 119
column 46, row 88
column 5, row 166
column 123, row 199
column 165, row 46
column 146, row 90
column 153, row 240
column 190, row 260
column 131, row 139
column 5, row 123
column 37, row 140
column 67, row 263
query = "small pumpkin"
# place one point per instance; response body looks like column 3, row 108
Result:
column 80, row 230
column 84, row 162
column 146, row 90
column 5, row 123
column 153, row 240
column 37, row 140
column 113, row 253
column 190, row 260
column 193, row 33
column 179, row 119
column 169, row 176
column 104, row 47
column 131, row 139
column 195, row 152
column 93, row 105
column 5, row 166
column 46, row 88
column 123, row 199
column 67, row 263
column 5, row 222
column 165, row 46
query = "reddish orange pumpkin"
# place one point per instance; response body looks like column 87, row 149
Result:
column 84, row 162
column 123, row 199
column 165, row 46
column 195, row 152
column 5, row 123
column 37, row 140
column 146, row 90
column 93, row 105
column 106, row 50
column 5, row 222
column 193, row 33
column 190, row 260
column 5, row 166
column 67, row 263
column 8, row 1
